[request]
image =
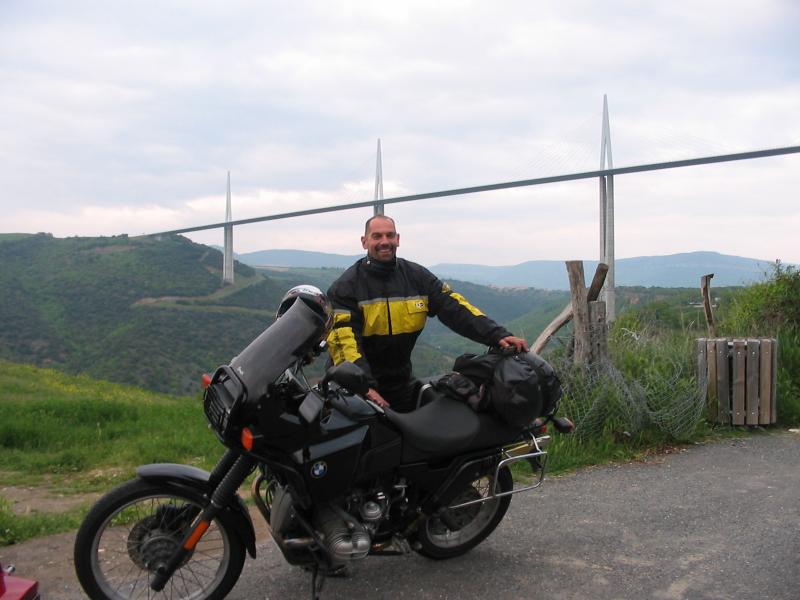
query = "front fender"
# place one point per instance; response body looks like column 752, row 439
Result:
column 197, row 480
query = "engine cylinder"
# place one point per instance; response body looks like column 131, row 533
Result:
column 344, row 540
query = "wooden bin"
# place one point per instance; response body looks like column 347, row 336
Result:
column 742, row 377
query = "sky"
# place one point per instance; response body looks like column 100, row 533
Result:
column 126, row 117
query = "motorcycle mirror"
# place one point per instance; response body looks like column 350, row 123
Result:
column 347, row 375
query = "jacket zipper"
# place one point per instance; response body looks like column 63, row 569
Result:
column 388, row 316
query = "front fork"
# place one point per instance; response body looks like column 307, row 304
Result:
column 238, row 468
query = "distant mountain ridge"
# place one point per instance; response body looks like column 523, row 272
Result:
column 673, row 270
column 297, row 258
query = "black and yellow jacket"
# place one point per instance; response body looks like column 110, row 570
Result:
column 380, row 310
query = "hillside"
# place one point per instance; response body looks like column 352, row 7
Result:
column 132, row 310
column 152, row 312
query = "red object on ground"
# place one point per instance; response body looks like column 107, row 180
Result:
column 17, row 588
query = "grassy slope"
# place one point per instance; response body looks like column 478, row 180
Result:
column 72, row 434
column 55, row 426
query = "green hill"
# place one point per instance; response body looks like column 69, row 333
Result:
column 132, row 310
column 153, row 313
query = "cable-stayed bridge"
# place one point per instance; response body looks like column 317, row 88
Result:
column 605, row 175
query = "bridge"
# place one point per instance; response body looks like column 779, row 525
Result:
column 605, row 175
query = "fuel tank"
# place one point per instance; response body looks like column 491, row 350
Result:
column 346, row 449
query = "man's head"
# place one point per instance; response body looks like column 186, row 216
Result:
column 380, row 238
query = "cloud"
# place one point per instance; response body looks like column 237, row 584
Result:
column 120, row 114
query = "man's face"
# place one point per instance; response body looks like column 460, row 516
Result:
column 381, row 241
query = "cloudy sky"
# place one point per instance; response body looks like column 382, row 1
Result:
column 125, row 117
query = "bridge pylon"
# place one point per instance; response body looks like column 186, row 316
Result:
column 378, row 207
column 607, row 216
column 227, row 255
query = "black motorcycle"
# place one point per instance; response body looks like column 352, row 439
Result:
column 337, row 478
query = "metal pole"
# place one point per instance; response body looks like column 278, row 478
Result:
column 378, row 182
column 607, row 215
column 227, row 256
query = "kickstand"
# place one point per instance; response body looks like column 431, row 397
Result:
column 317, row 581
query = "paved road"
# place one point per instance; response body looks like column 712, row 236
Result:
column 717, row 521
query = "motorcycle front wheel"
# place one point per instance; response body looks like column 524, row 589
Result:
column 136, row 527
column 470, row 524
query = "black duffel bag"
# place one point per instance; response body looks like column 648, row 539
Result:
column 517, row 387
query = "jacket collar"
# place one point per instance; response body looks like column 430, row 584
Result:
column 381, row 269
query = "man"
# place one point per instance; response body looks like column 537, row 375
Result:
column 380, row 306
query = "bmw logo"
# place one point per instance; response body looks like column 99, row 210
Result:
column 319, row 469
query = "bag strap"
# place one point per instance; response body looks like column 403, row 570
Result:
column 461, row 388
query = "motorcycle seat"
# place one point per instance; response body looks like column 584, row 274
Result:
column 442, row 427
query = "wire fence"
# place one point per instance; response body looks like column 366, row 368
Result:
column 645, row 384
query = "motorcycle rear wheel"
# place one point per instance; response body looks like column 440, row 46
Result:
column 475, row 522
column 139, row 524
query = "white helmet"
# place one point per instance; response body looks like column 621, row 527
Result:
column 313, row 298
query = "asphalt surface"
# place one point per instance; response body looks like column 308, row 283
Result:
column 716, row 521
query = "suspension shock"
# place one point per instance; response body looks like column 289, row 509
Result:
column 220, row 498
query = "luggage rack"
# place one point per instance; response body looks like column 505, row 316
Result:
column 514, row 454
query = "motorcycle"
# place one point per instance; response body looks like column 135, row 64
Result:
column 336, row 477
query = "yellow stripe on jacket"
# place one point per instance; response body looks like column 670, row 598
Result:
column 406, row 315
column 342, row 340
column 465, row 303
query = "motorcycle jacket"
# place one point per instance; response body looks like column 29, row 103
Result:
column 381, row 308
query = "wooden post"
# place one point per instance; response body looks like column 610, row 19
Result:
column 565, row 316
column 765, row 384
column 723, row 385
column 774, row 384
column 713, row 400
column 706, row 292
column 739, row 379
column 702, row 373
column 598, row 331
column 751, row 393
column 580, row 311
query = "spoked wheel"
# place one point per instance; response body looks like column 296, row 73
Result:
column 138, row 526
column 469, row 525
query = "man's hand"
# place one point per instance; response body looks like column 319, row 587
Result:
column 519, row 344
column 373, row 395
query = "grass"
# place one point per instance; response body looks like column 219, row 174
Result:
column 18, row 528
column 67, row 430
column 74, row 434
